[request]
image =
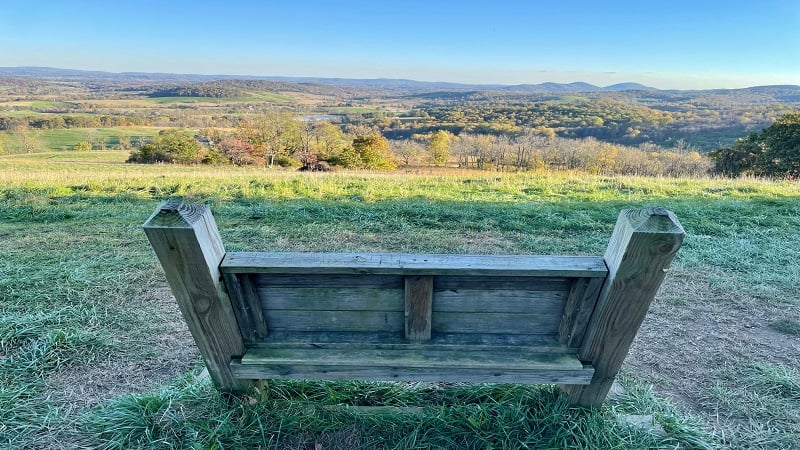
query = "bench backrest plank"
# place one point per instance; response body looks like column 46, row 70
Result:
column 414, row 264
column 419, row 294
column 377, row 303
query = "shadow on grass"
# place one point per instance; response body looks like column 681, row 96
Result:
column 314, row 415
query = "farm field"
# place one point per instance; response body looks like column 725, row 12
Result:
column 66, row 139
column 261, row 97
column 94, row 353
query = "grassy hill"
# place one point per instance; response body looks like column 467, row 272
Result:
column 93, row 352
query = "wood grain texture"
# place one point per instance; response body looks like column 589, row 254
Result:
column 499, row 323
column 501, row 301
column 423, row 356
column 392, row 340
column 414, row 264
column 328, row 281
column 418, row 301
column 641, row 249
column 546, row 284
column 362, row 321
column 187, row 243
column 578, row 310
column 253, row 303
column 246, row 306
column 454, row 374
column 331, row 299
column 420, row 363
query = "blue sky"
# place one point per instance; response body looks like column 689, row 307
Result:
column 662, row 43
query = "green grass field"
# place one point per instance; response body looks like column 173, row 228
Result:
column 273, row 97
column 66, row 139
column 94, row 354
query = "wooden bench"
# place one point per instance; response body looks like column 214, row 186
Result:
column 566, row 320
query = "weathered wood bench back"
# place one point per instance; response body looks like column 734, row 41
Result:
column 565, row 320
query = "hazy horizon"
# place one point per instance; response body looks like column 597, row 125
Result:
column 270, row 76
column 680, row 45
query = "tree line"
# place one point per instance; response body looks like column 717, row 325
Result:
column 536, row 150
column 622, row 120
column 58, row 122
column 208, row 90
column 773, row 152
column 280, row 139
column 274, row 138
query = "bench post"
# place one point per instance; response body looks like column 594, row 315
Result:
column 641, row 249
column 189, row 248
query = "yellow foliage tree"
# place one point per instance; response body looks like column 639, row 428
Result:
column 439, row 147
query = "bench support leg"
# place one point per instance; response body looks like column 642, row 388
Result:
column 188, row 245
column 641, row 249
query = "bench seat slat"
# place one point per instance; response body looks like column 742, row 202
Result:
column 422, row 357
column 387, row 341
column 428, row 363
column 414, row 264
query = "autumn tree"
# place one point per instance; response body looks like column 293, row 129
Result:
column 239, row 152
column 501, row 151
column 328, row 140
column 28, row 139
column 83, row 146
column 124, row 142
column 31, row 142
column 438, row 146
column 367, row 152
column 215, row 135
column 97, row 141
column 272, row 134
column 545, row 131
column 407, row 150
column 305, row 132
column 473, row 149
column 528, row 148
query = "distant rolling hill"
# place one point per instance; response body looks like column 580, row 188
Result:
column 629, row 87
column 411, row 86
column 790, row 93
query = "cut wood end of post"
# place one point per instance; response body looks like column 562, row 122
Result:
column 654, row 219
column 170, row 206
column 175, row 214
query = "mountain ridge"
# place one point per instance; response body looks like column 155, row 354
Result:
column 395, row 83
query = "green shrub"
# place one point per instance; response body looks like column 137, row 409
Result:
column 173, row 146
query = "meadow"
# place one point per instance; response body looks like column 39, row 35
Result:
column 66, row 139
column 94, row 353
